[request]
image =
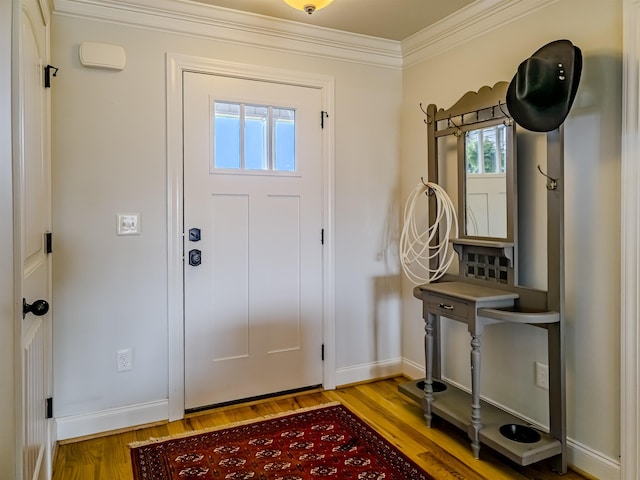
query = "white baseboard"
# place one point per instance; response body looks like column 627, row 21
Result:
column 75, row 426
column 593, row 463
column 368, row 371
column 412, row 370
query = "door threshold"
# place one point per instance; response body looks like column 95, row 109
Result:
column 250, row 400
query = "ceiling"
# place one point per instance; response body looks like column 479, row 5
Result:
column 390, row 19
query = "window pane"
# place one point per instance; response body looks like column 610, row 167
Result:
column 226, row 135
column 489, row 150
column 284, row 139
column 255, row 137
column 471, row 151
column 502, row 146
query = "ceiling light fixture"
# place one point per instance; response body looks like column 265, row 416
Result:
column 308, row 6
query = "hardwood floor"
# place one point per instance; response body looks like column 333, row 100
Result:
column 443, row 451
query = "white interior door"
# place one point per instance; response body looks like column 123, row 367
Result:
column 487, row 205
column 34, row 206
column 253, row 189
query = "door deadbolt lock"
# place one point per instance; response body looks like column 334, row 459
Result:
column 194, row 235
column 195, row 257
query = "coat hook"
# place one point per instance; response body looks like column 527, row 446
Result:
column 428, row 120
column 552, row 183
column 458, row 131
column 509, row 121
column 429, row 191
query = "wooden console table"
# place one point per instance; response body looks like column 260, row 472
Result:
column 476, row 305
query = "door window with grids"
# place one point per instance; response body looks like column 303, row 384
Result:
column 254, row 137
column 486, row 150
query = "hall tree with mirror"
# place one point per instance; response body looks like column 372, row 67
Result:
column 486, row 161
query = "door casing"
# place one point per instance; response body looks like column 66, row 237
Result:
column 176, row 65
column 38, row 13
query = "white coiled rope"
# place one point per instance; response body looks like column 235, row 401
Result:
column 416, row 251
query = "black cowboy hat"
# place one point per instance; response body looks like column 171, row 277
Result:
column 541, row 93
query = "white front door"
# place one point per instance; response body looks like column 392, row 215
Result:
column 487, row 205
column 34, row 207
column 252, row 238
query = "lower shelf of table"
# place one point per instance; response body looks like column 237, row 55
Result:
column 454, row 406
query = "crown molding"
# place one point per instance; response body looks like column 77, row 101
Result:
column 473, row 21
column 241, row 28
column 259, row 31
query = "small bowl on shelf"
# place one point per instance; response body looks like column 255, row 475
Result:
column 435, row 384
column 520, row 433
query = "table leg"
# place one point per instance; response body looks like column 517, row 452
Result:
column 428, row 353
column 476, row 425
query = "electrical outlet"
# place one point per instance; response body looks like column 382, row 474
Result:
column 124, row 359
column 542, row 375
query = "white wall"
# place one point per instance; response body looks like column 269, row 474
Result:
column 592, row 169
column 8, row 452
column 109, row 156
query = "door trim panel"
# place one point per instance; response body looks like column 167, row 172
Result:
column 177, row 64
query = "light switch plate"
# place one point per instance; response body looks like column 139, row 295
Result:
column 128, row 223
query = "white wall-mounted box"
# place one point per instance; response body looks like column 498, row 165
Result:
column 102, row 55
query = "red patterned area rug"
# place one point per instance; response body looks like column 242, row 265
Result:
column 328, row 442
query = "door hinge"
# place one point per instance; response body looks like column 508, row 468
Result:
column 322, row 236
column 323, row 352
column 49, row 407
column 48, row 75
column 323, row 115
column 48, row 242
